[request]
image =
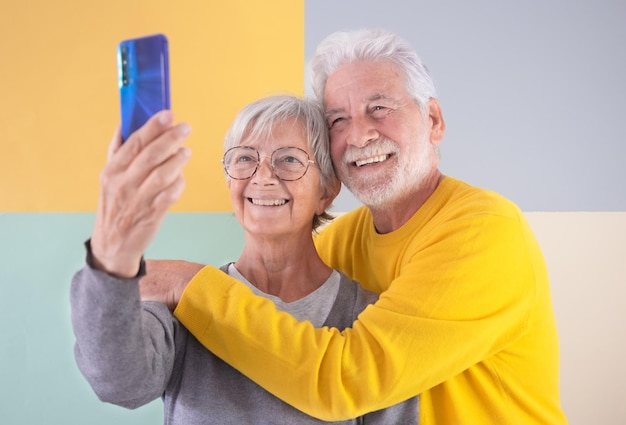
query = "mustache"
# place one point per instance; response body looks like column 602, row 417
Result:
column 380, row 146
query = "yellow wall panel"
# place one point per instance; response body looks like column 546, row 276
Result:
column 58, row 88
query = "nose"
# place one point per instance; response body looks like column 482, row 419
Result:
column 361, row 132
column 264, row 172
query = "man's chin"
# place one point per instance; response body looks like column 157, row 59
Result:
column 372, row 195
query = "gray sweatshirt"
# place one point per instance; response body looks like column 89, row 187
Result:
column 132, row 353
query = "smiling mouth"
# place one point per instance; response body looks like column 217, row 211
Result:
column 268, row 202
column 372, row 160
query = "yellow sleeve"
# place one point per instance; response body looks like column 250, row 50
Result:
column 416, row 336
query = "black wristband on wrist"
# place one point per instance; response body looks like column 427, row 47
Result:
column 90, row 262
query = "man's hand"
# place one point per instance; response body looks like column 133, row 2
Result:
column 166, row 280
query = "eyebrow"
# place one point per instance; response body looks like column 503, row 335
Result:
column 379, row 96
column 332, row 112
column 373, row 98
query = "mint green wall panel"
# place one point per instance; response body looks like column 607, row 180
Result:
column 40, row 383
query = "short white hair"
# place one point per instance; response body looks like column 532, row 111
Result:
column 371, row 45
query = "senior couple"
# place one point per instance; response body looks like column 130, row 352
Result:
column 430, row 304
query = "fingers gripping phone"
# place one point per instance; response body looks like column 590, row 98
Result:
column 143, row 79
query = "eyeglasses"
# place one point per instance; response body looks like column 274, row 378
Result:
column 288, row 163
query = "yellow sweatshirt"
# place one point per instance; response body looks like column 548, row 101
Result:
column 464, row 320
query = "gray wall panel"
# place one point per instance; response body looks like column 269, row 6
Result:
column 533, row 93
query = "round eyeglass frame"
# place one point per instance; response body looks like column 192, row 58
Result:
column 258, row 155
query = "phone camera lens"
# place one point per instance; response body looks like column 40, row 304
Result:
column 124, row 59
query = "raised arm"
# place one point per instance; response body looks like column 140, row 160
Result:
column 125, row 352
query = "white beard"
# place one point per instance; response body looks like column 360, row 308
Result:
column 381, row 190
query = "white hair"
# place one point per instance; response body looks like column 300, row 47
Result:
column 371, row 45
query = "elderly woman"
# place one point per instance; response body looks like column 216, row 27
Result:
column 281, row 182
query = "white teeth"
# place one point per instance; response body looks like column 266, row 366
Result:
column 373, row 159
column 268, row 202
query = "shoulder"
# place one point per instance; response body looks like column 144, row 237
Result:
column 344, row 226
column 351, row 300
column 351, row 293
column 349, row 219
column 456, row 195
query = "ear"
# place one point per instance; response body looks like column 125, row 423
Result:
column 328, row 197
column 438, row 126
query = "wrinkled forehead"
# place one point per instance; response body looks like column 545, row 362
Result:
column 362, row 80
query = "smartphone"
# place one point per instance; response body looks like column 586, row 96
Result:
column 143, row 79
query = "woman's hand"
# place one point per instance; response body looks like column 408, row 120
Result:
column 140, row 181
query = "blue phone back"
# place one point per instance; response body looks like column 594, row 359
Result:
column 143, row 74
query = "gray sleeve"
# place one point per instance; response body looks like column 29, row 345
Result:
column 124, row 350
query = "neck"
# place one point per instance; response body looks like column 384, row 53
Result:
column 287, row 267
column 397, row 212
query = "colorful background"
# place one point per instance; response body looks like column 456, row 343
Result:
column 532, row 93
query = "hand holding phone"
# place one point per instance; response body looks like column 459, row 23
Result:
column 137, row 187
column 143, row 74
